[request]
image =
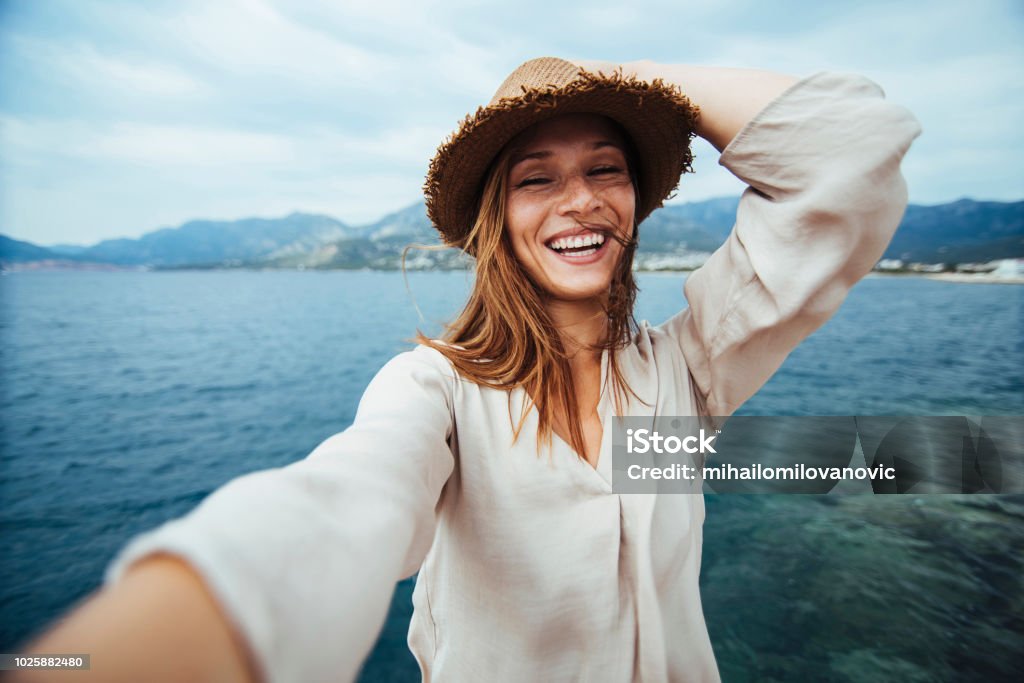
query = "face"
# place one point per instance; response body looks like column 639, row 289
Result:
column 569, row 189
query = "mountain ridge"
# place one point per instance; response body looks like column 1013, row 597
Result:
column 965, row 230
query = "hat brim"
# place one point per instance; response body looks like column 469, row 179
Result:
column 658, row 118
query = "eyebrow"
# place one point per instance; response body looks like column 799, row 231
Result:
column 545, row 153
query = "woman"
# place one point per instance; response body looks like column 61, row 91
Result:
column 482, row 460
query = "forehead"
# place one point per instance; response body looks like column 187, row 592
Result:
column 567, row 129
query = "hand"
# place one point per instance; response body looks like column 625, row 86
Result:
column 158, row 623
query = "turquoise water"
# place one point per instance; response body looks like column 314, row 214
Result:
column 128, row 397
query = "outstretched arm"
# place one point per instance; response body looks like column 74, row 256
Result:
column 160, row 623
column 283, row 574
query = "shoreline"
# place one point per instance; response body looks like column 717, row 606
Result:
column 968, row 278
column 964, row 278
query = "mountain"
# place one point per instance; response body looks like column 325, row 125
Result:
column 960, row 232
column 67, row 249
column 674, row 236
column 378, row 245
column 206, row 243
column 17, row 251
column 411, row 223
column 696, row 226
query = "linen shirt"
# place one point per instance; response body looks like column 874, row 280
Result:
column 530, row 567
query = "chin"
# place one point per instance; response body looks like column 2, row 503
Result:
column 580, row 291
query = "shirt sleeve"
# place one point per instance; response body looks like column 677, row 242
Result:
column 825, row 197
column 303, row 559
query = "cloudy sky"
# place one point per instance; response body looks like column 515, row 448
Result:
column 118, row 118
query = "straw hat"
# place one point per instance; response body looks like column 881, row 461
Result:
column 658, row 118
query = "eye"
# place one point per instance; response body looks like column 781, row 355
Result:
column 535, row 180
column 606, row 170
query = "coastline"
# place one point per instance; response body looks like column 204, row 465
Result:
column 45, row 267
column 965, row 278
column 975, row 278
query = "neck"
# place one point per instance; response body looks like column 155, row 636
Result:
column 582, row 325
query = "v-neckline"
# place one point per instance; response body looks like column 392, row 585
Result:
column 603, row 465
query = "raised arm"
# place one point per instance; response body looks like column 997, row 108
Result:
column 822, row 159
column 283, row 574
column 728, row 98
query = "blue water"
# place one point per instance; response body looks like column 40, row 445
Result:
column 128, row 397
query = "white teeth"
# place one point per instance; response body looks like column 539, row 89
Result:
column 590, row 239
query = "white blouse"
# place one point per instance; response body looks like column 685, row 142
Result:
column 530, row 567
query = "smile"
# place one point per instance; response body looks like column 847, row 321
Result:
column 577, row 247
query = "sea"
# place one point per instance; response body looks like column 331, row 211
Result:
column 127, row 397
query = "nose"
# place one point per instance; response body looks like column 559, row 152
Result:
column 578, row 197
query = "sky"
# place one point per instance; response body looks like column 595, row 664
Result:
column 119, row 118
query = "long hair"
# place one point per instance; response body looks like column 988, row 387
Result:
column 504, row 337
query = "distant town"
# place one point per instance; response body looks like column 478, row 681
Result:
column 1008, row 270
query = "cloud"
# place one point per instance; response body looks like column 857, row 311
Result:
column 378, row 50
column 708, row 179
column 251, row 37
column 82, row 65
column 125, row 178
column 333, row 106
column 146, row 79
column 139, row 143
column 160, row 145
column 134, row 142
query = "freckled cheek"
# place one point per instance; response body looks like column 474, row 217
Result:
column 623, row 201
column 523, row 222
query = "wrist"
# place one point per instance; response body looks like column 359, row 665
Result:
column 643, row 69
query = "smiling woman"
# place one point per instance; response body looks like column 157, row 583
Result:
column 481, row 460
column 560, row 244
